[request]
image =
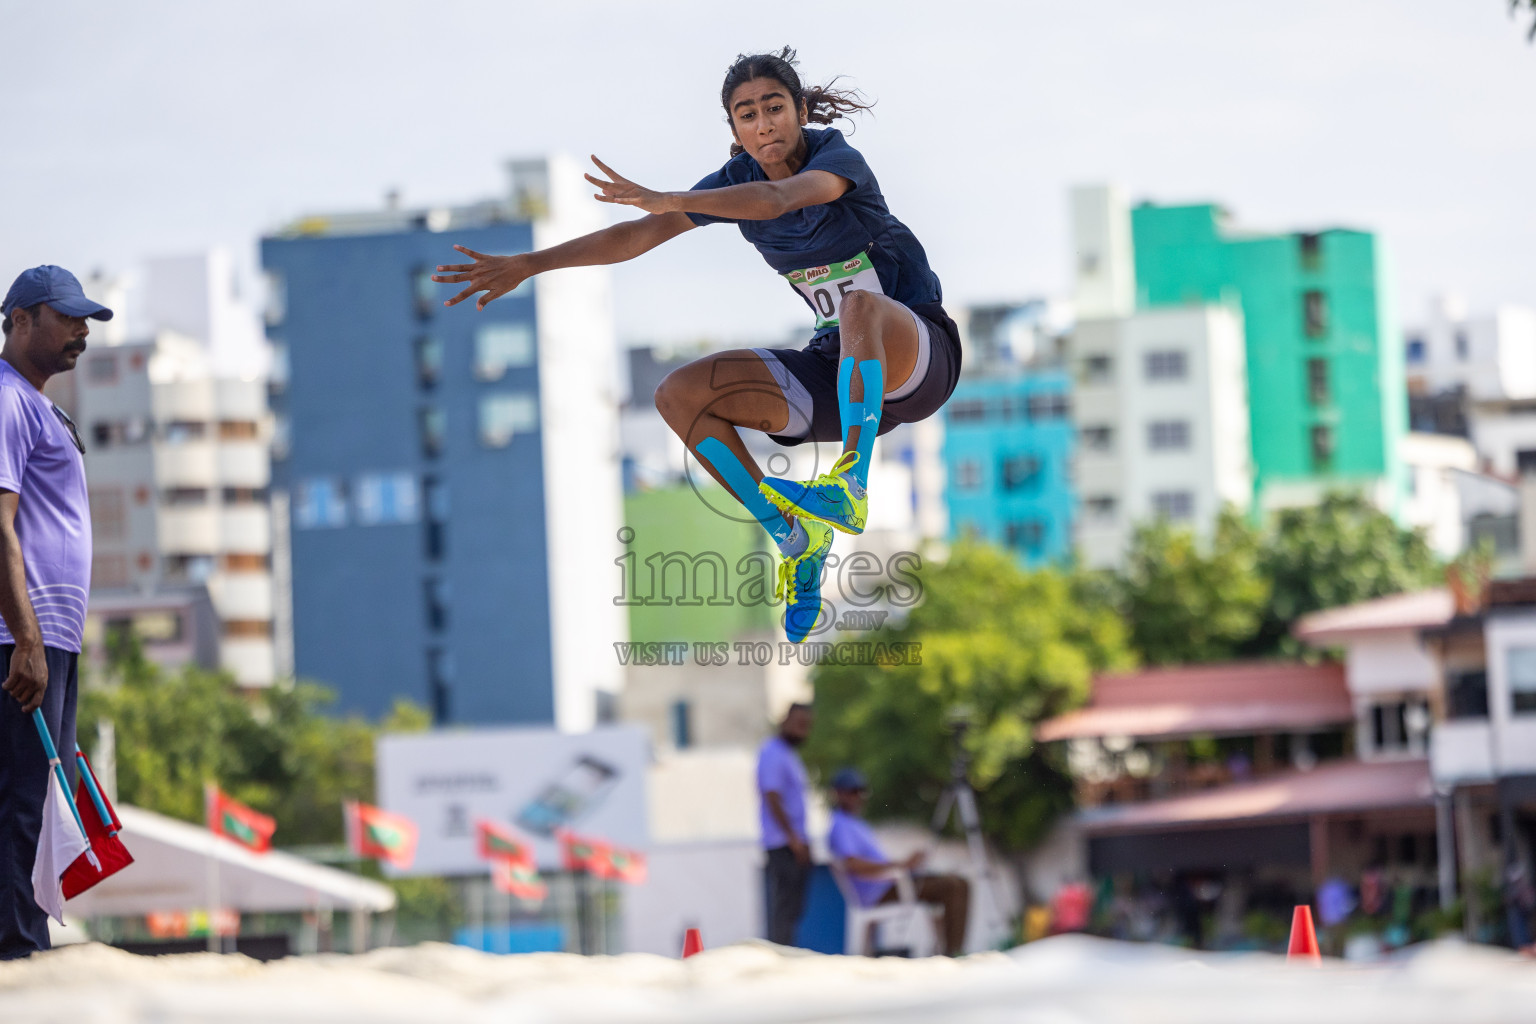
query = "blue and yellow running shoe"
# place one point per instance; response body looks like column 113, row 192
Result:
column 800, row 583
column 834, row 498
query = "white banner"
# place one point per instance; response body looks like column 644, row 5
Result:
column 531, row 780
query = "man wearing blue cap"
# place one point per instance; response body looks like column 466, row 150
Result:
column 852, row 841
column 45, row 573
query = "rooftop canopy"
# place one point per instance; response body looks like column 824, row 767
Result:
column 1198, row 700
column 171, row 872
column 1338, row 787
column 1423, row 609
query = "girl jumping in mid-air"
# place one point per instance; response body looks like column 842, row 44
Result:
column 884, row 352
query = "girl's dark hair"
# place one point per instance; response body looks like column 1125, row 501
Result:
column 823, row 103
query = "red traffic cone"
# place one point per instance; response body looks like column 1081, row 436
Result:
column 1303, row 937
column 692, row 943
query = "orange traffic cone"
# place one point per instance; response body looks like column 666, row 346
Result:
column 1303, row 937
column 692, row 943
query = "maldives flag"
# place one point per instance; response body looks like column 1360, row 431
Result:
column 519, row 878
column 499, row 843
column 101, row 829
column 581, row 854
column 372, row 832
column 626, row 865
column 234, row 820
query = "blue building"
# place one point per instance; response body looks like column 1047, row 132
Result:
column 1008, row 444
column 444, row 543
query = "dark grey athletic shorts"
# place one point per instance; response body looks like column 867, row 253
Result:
column 808, row 379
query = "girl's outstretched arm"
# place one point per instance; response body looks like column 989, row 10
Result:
column 753, row 200
column 498, row 275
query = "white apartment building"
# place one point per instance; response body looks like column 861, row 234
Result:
column 1162, row 395
column 1491, row 360
column 1162, row 413
column 178, row 465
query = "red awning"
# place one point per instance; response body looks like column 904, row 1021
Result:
column 1337, row 787
column 1258, row 697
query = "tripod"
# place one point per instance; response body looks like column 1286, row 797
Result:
column 959, row 801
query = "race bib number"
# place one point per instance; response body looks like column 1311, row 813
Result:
column 824, row 287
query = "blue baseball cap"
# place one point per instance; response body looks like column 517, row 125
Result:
column 849, row 780
column 56, row 287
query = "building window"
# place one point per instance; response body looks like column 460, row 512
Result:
column 1525, row 461
column 1311, row 248
column 102, row 370
column 245, row 563
column 1100, row 506
column 184, row 497
column 436, row 592
column 682, row 725
column 504, row 416
column 277, row 297
column 1169, row 365
column 189, row 568
column 502, row 347
column 433, row 423
column 1020, row 471
column 970, row 410
column 109, row 513
column 1314, row 306
column 1027, row 535
column 1415, row 351
column 1168, row 435
column 429, row 359
column 1322, row 447
column 1175, row 506
column 1462, row 347
column 968, row 474
column 322, row 502
column 243, row 495
column 440, row 684
column 1466, row 694
column 1399, row 726
column 424, row 290
column 183, row 431
column 382, row 499
column 1317, row 381
column 1098, row 370
column 1049, row 405
column 1522, row 680
column 1098, row 438
column 435, row 493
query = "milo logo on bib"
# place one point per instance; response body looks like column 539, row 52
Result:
column 824, row 287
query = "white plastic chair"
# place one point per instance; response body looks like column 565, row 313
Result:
column 918, row 922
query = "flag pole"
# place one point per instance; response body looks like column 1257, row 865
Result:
column 215, row 945
column 57, row 766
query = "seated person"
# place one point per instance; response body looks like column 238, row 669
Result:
column 852, row 841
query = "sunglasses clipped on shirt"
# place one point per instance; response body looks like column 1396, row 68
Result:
column 74, row 435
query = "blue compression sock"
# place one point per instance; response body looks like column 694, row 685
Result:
column 744, row 487
column 864, row 414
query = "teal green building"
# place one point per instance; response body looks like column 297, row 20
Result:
column 1325, row 358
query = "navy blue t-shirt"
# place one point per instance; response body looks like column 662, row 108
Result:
column 825, row 240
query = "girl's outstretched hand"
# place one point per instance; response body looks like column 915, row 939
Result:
column 494, row 275
column 624, row 192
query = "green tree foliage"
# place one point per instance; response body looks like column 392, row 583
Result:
column 1185, row 604
column 1337, row 552
column 272, row 749
column 1006, row 646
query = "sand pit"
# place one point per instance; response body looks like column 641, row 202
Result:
column 1069, row 980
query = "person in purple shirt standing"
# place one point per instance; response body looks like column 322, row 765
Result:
column 781, row 792
column 45, row 573
column 852, row 841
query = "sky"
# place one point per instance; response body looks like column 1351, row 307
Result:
column 160, row 128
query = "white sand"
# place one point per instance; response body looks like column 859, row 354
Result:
column 1069, row 980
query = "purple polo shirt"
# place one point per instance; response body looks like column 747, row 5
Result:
column 779, row 771
column 39, row 461
column 852, row 837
